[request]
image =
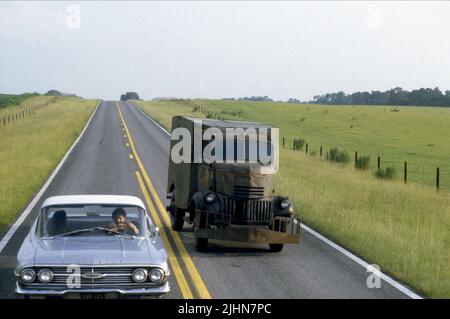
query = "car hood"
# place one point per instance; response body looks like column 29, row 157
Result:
column 98, row 250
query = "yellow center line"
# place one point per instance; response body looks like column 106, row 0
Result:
column 194, row 273
column 179, row 276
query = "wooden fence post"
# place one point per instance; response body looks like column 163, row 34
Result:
column 378, row 162
column 356, row 158
column 283, row 141
column 306, row 148
column 405, row 172
column 320, row 151
column 437, row 178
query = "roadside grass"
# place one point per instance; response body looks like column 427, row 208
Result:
column 31, row 148
column 402, row 228
column 12, row 110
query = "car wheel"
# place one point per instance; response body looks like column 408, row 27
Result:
column 201, row 244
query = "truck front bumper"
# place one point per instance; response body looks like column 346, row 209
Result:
column 288, row 234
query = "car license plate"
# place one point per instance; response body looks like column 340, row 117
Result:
column 92, row 296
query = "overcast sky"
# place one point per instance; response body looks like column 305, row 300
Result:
column 216, row 49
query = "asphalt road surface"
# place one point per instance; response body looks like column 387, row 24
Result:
column 124, row 152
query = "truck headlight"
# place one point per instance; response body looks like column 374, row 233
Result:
column 140, row 275
column 285, row 203
column 156, row 275
column 210, row 197
column 28, row 275
column 45, row 276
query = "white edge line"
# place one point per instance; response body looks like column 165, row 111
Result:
column 364, row 264
column 38, row 196
column 342, row 250
column 139, row 108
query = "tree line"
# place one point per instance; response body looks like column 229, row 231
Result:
column 250, row 98
column 14, row 99
column 395, row 96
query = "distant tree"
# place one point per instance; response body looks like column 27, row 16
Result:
column 256, row 98
column 129, row 96
column 53, row 92
column 395, row 96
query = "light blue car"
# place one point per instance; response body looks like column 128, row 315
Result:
column 75, row 249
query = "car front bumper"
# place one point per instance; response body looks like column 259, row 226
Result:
column 151, row 291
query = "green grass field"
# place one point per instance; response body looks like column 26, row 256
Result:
column 31, row 148
column 402, row 228
column 418, row 135
column 13, row 109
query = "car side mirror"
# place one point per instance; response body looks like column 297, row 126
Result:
column 155, row 232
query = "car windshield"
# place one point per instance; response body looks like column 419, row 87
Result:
column 91, row 220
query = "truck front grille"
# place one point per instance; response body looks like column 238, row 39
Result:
column 248, row 192
column 249, row 211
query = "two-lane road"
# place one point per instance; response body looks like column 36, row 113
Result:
column 119, row 148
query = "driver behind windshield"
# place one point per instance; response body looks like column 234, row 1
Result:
column 57, row 224
column 120, row 222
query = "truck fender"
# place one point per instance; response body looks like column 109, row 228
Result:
column 198, row 202
column 278, row 211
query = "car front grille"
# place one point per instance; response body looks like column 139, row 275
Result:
column 108, row 277
column 249, row 211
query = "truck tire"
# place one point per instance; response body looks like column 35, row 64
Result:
column 201, row 244
column 177, row 220
column 176, row 216
column 276, row 248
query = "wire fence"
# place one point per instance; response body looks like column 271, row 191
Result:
column 408, row 171
column 9, row 119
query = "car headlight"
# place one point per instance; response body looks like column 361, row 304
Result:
column 140, row 275
column 45, row 276
column 156, row 275
column 285, row 203
column 28, row 275
column 210, row 197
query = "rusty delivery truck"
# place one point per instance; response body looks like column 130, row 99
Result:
column 226, row 198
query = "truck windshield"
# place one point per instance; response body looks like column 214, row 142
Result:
column 91, row 220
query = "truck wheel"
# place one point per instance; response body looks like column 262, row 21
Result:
column 177, row 215
column 201, row 244
column 276, row 248
column 177, row 220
